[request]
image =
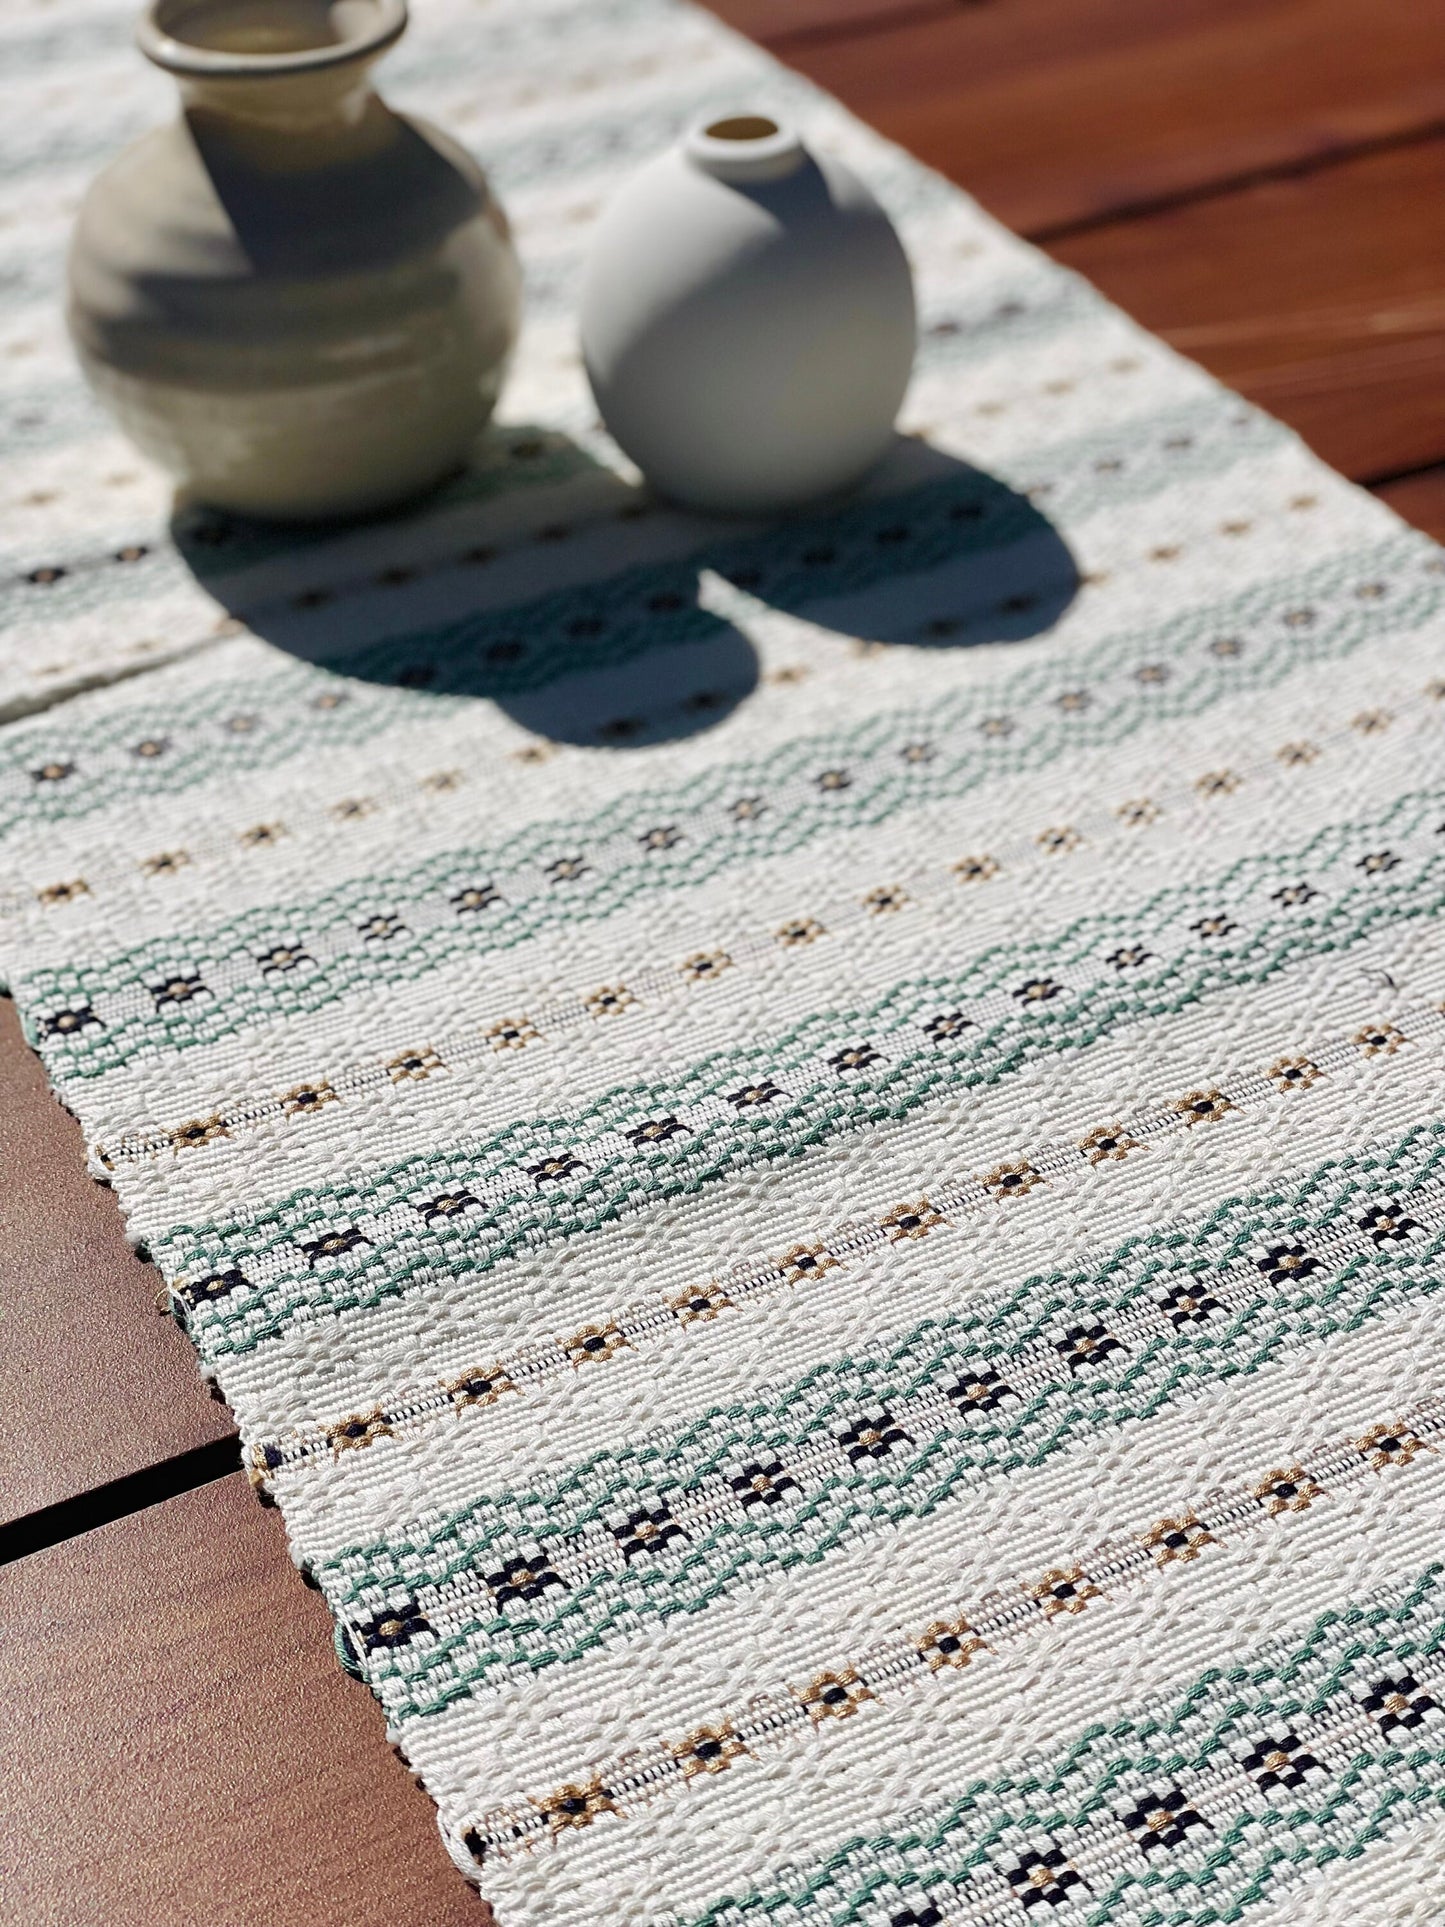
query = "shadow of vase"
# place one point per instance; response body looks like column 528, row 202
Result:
column 592, row 613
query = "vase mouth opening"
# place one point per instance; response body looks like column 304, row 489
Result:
column 256, row 39
column 745, row 146
column 742, row 127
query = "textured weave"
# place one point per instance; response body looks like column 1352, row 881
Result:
column 809, row 1152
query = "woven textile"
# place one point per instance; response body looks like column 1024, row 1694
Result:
column 809, row 1152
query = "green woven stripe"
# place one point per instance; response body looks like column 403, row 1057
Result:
column 610, row 621
column 208, row 546
column 287, row 1284
column 948, row 1209
column 814, row 1101
column 882, row 777
column 1252, row 1844
column 890, row 539
column 991, row 1331
column 1156, row 1363
column 49, row 415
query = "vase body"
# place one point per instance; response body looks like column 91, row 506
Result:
column 748, row 321
column 297, row 301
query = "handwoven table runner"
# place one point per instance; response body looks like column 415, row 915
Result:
column 809, row 1152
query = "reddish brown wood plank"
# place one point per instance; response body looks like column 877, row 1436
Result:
column 1321, row 298
column 788, row 24
column 181, row 1746
column 1056, row 110
column 93, row 1383
column 1420, row 499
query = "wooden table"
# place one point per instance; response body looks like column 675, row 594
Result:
column 1260, row 181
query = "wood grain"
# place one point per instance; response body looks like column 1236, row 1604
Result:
column 1321, row 298
column 1420, row 499
column 93, row 1383
column 1053, row 111
column 181, row 1747
column 787, row 24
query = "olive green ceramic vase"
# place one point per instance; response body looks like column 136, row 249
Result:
column 297, row 301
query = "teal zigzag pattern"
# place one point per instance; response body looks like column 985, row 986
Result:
column 524, row 898
column 607, row 621
column 968, row 1395
column 797, row 563
column 597, row 1171
column 1244, row 1843
column 204, row 545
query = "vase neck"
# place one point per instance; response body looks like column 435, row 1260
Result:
column 297, row 66
column 324, row 106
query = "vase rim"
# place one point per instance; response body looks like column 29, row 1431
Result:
column 748, row 145
column 365, row 28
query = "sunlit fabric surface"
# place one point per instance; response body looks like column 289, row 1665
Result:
column 810, row 1152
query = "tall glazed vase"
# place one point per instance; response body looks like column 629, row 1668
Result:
column 298, row 302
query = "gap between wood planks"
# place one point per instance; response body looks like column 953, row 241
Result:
column 820, row 32
column 1293, row 168
column 118, row 1498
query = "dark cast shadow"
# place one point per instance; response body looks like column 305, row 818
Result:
column 615, row 627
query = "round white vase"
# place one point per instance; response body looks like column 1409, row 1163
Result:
column 748, row 322
column 297, row 301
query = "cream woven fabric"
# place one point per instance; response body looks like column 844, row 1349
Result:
column 810, row 1153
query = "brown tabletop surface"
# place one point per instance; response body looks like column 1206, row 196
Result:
column 1260, row 181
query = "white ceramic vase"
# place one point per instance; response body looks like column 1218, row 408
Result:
column 297, row 301
column 747, row 320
